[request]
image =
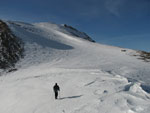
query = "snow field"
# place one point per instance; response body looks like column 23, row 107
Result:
column 93, row 78
column 81, row 91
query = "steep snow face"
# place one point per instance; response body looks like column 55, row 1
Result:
column 93, row 78
column 10, row 47
column 66, row 29
column 51, row 44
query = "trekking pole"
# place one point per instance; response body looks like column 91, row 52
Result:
column 59, row 94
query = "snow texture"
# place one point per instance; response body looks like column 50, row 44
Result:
column 93, row 78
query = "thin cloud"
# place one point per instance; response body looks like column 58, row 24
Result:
column 113, row 6
column 102, row 8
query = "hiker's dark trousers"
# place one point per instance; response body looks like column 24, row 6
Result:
column 56, row 94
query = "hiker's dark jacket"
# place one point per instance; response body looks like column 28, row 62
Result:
column 56, row 88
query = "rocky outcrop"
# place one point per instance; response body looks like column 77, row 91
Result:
column 11, row 48
column 144, row 56
column 77, row 33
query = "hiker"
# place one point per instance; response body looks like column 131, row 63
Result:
column 56, row 89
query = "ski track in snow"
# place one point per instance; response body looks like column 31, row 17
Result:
column 93, row 78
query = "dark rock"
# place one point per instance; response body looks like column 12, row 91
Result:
column 143, row 55
column 11, row 48
column 123, row 50
column 12, row 70
column 77, row 33
column 105, row 91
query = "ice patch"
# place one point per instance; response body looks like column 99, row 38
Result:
column 146, row 88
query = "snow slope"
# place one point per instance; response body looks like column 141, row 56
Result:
column 93, row 78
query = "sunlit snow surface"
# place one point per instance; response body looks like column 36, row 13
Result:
column 93, row 78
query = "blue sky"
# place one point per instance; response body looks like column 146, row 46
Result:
column 124, row 23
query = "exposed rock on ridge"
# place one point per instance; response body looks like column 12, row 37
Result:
column 77, row 33
column 11, row 48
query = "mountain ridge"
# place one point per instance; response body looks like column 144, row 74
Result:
column 100, row 78
column 51, row 43
column 61, row 37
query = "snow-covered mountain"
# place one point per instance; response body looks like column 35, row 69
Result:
column 93, row 78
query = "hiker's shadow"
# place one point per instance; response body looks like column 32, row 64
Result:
column 71, row 97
